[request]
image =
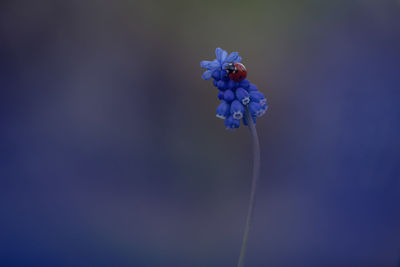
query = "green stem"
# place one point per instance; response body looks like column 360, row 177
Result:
column 256, row 175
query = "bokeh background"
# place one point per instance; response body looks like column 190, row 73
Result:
column 111, row 154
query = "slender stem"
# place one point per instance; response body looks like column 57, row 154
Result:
column 256, row 175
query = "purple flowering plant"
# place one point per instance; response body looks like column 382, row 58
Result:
column 240, row 100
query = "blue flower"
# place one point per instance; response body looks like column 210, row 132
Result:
column 258, row 98
column 245, row 84
column 252, row 87
column 221, row 85
column 232, row 123
column 229, row 96
column 223, row 110
column 237, row 110
column 216, row 74
column 236, row 97
column 243, row 96
column 231, row 84
column 256, row 109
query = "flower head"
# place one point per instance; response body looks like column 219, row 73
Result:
column 218, row 64
column 236, row 97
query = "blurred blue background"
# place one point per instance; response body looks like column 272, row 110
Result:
column 111, row 155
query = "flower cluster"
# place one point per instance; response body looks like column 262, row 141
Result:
column 234, row 96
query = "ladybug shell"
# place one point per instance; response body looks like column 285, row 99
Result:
column 239, row 74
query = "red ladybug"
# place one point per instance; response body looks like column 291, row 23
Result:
column 236, row 71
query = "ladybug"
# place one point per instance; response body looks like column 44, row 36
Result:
column 236, row 71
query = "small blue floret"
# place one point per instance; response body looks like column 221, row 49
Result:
column 231, row 123
column 245, row 84
column 216, row 75
column 256, row 96
column 237, row 110
column 223, row 110
column 252, row 87
column 256, row 109
column 243, row 96
column 229, row 96
column 220, row 95
column 231, row 84
column 221, row 85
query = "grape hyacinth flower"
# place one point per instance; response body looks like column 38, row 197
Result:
column 237, row 93
column 240, row 100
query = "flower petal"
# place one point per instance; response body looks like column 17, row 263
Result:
column 232, row 57
column 210, row 65
column 206, row 75
column 220, row 54
column 224, row 55
column 204, row 64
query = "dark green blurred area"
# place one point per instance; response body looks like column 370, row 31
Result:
column 111, row 154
